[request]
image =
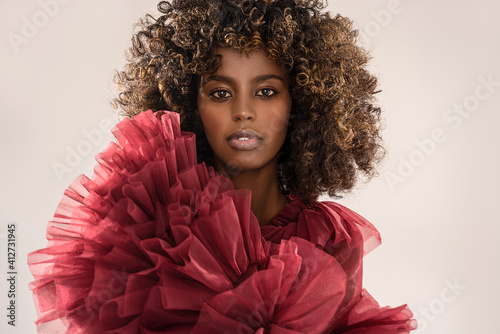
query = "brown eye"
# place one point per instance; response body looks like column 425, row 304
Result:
column 220, row 94
column 266, row 92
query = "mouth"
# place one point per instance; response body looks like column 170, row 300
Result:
column 244, row 140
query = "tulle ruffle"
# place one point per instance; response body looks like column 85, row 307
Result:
column 154, row 243
column 298, row 292
column 347, row 236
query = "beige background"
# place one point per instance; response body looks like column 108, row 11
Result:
column 435, row 201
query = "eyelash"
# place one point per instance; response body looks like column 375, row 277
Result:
column 272, row 90
column 213, row 94
column 272, row 93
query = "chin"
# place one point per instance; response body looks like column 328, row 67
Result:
column 237, row 166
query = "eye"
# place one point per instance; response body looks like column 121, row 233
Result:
column 220, row 94
column 266, row 92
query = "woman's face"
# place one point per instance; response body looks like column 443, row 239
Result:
column 244, row 107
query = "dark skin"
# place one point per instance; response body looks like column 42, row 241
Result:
column 244, row 107
column 267, row 199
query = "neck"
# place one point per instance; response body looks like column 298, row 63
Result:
column 267, row 199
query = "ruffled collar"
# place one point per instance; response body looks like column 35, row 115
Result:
column 290, row 213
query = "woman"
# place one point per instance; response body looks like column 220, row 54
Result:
column 278, row 97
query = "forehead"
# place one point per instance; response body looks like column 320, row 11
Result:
column 253, row 62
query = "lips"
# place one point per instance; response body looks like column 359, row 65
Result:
column 244, row 140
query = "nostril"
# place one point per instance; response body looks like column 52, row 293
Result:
column 243, row 114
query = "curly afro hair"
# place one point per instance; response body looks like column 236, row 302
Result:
column 334, row 135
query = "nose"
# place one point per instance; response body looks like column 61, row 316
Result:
column 243, row 109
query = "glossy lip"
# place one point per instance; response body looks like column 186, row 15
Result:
column 244, row 140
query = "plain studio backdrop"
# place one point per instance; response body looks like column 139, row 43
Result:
column 435, row 201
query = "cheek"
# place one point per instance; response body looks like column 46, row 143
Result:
column 205, row 114
column 208, row 125
column 278, row 122
column 212, row 124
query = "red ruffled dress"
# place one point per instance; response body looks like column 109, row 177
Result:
column 156, row 243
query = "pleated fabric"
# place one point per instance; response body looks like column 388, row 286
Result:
column 154, row 242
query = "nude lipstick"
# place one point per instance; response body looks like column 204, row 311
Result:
column 244, row 140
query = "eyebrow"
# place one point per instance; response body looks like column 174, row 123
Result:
column 259, row 78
